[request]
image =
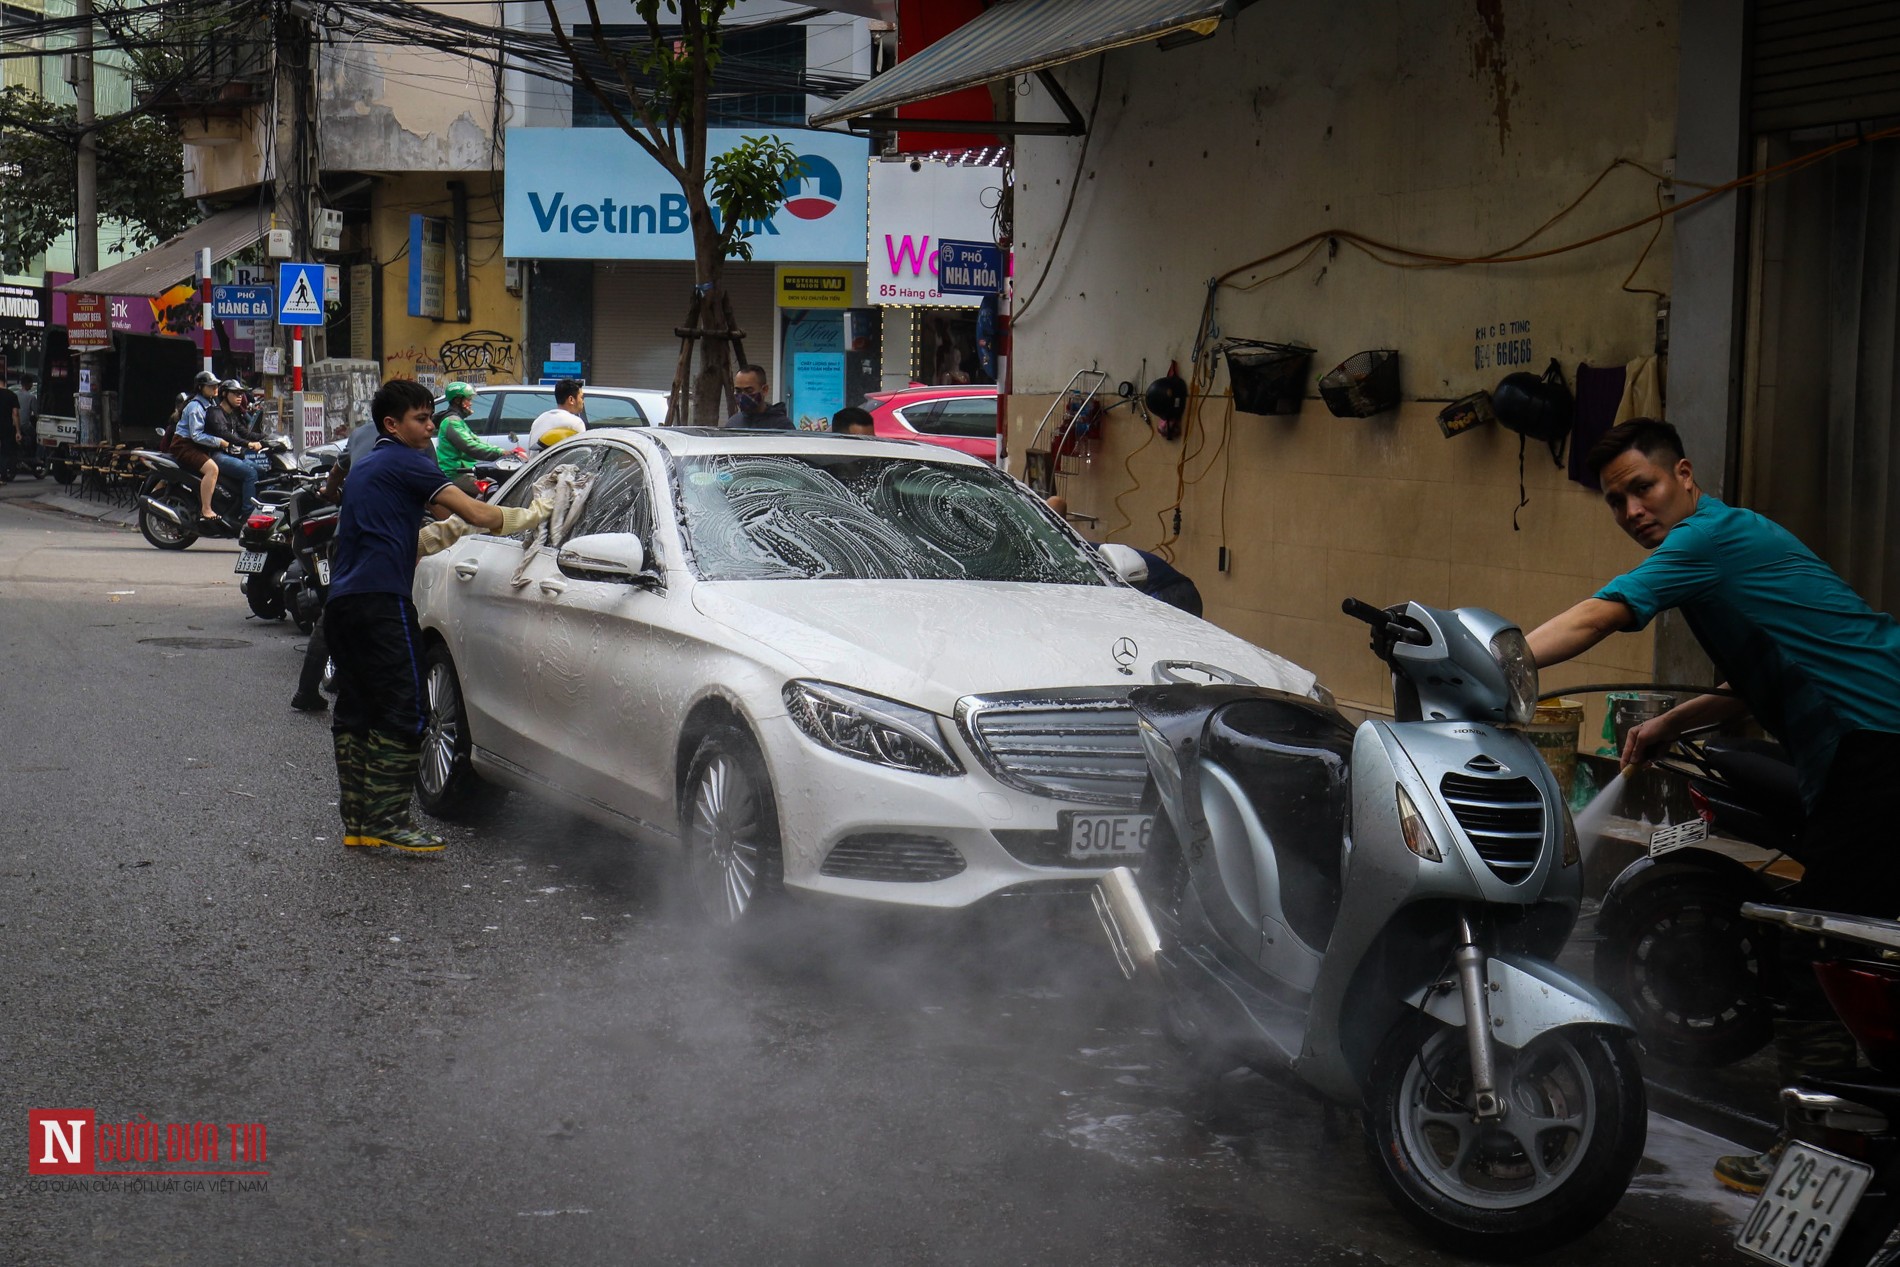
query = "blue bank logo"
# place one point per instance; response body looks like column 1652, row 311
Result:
column 813, row 194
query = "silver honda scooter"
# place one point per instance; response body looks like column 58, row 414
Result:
column 1375, row 912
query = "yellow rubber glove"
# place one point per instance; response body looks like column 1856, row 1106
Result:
column 518, row 519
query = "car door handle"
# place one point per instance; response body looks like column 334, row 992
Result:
column 552, row 586
column 467, row 570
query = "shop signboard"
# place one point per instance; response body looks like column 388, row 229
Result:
column 912, row 213
column 88, row 329
column 313, row 420
column 428, row 257
column 813, row 287
column 592, row 194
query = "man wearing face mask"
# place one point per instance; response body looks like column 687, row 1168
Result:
column 750, row 386
column 1818, row 667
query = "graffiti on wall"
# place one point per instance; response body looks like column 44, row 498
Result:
column 479, row 352
column 478, row 357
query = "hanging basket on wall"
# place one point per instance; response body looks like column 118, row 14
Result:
column 1364, row 384
column 1267, row 378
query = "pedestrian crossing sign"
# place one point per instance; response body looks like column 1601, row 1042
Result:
column 300, row 294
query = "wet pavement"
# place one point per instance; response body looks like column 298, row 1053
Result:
column 529, row 1051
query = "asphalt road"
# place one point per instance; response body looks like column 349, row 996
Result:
column 525, row 1051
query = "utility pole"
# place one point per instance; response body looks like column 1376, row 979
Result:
column 86, row 169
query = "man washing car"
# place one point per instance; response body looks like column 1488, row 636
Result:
column 1803, row 652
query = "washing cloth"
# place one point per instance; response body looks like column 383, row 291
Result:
column 1642, row 390
column 565, row 488
column 1599, row 397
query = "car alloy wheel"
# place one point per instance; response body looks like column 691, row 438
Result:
column 730, row 828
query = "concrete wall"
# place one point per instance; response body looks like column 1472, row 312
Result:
column 1456, row 128
column 415, row 347
column 388, row 109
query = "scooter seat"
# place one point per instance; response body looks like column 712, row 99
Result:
column 1761, row 777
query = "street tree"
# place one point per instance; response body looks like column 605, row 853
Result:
column 140, row 157
column 658, row 85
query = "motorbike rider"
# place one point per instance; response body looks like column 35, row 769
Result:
column 457, row 449
column 1818, row 667
column 190, row 451
column 224, row 424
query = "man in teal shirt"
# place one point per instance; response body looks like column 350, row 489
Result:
column 457, row 449
column 1817, row 666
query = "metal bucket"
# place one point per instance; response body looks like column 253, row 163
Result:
column 1649, row 795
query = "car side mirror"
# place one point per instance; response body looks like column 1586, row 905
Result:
column 1127, row 563
column 606, row 556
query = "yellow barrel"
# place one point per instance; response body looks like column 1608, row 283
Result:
column 1554, row 730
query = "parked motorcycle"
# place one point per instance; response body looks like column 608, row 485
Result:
column 285, row 556
column 1835, row 1193
column 1375, row 912
column 311, row 529
column 168, row 499
column 1675, row 950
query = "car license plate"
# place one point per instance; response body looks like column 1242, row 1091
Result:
column 323, row 571
column 1092, row 836
column 1802, row 1211
column 1676, row 835
column 251, row 561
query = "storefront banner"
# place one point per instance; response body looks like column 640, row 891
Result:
column 817, row 388
column 911, row 212
column 592, row 194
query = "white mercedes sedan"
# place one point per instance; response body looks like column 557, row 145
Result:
column 867, row 669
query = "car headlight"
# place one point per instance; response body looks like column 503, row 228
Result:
column 870, row 728
column 1512, row 651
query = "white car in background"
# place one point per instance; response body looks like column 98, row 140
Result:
column 854, row 667
column 503, row 412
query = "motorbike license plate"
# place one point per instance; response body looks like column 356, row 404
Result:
column 1091, row 836
column 250, row 561
column 1804, row 1208
column 323, row 571
column 1676, row 835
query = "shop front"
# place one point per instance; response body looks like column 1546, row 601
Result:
column 602, row 233
column 916, row 205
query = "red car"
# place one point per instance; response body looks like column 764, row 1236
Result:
column 960, row 418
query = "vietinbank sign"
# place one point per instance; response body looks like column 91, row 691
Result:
column 592, row 194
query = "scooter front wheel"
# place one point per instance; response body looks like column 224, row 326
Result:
column 1544, row 1173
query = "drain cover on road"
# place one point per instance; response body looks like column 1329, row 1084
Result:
column 199, row 644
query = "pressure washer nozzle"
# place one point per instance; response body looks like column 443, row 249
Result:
column 1626, row 771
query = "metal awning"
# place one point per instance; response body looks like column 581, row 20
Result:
column 1018, row 37
column 174, row 261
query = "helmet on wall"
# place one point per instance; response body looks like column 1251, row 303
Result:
column 1166, row 398
column 1537, row 407
column 458, row 391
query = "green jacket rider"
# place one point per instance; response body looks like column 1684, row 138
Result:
column 457, row 449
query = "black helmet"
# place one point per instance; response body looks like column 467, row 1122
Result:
column 228, row 386
column 1167, row 397
column 204, row 379
column 1536, row 407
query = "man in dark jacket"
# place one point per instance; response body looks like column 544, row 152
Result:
column 750, row 385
